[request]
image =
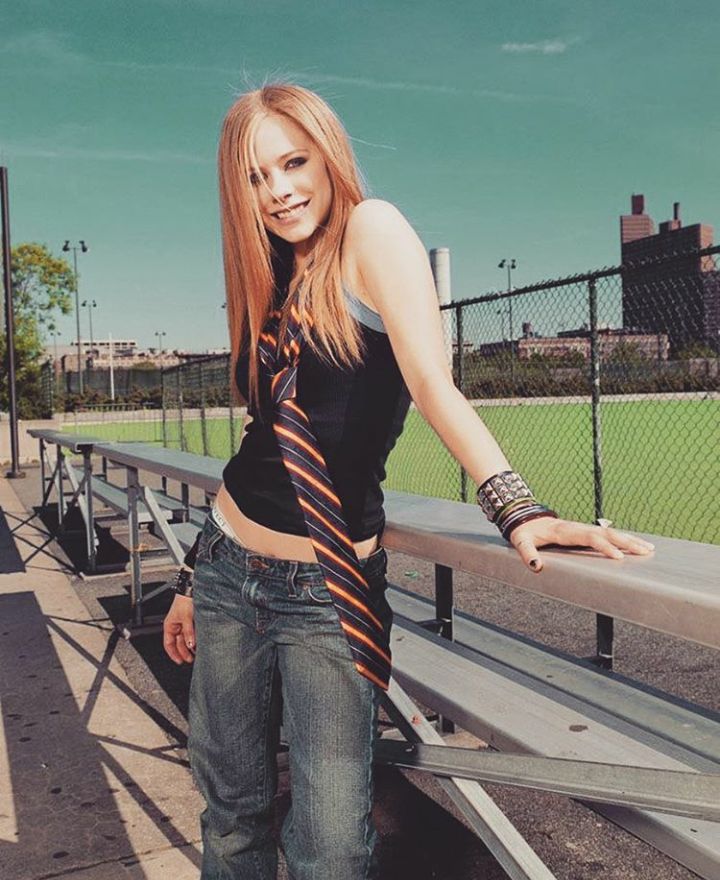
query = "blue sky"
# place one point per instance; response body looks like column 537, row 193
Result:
column 500, row 129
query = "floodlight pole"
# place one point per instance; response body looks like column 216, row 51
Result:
column 83, row 247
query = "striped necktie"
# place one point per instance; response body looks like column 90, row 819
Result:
column 318, row 500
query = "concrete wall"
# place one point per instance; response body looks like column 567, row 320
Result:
column 28, row 445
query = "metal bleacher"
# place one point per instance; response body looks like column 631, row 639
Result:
column 647, row 761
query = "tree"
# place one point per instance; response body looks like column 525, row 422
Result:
column 627, row 354
column 42, row 285
column 696, row 350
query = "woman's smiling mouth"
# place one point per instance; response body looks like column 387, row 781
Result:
column 290, row 214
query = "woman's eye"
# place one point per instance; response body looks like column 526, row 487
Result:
column 301, row 160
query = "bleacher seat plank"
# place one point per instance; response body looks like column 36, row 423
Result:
column 679, row 728
column 504, row 709
column 676, row 590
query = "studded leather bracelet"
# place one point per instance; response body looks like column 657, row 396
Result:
column 182, row 584
column 507, row 502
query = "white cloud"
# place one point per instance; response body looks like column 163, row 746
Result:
column 46, row 46
column 163, row 156
column 542, row 47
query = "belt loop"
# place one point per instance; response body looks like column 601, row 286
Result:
column 291, row 584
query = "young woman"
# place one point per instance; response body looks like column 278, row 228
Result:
column 334, row 325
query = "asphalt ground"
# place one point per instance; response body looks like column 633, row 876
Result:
column 422, row 834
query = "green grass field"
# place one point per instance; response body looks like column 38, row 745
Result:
column 659, row 459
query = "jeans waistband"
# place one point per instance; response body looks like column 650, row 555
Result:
column 223, row 524
column 282, row 567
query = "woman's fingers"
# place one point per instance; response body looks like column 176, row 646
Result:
column 610, row 542
column 630, row 543
column 179, row 632
column 528, row 553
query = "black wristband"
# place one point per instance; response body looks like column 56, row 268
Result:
column 183, row 583
column 191, row 555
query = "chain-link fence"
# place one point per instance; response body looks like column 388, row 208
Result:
column 602, row 389
column 117, row 421
column 198, row 411
column 48, row 389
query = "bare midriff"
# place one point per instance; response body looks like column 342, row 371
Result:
column 268, row 542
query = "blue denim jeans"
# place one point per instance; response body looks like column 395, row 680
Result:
column 269, row 643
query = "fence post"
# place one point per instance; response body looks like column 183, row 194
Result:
column 203, row 421
column 604, row 625
column 460, row 376
column 180, row 408
column 164, row 416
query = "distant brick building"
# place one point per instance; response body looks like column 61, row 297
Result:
column 653, row 346
column 682, row 298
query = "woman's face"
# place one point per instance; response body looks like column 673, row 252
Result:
column 291, row 174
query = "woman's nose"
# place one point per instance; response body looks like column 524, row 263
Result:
column 279, row 186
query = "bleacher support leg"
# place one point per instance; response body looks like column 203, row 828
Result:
column 60, row 487
column 605, row 633
column 185, row 501
column 445, row 616
column 133, row 487
column 90, row 523
column 42, row 467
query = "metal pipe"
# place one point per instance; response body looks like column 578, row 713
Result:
column 14, row 471
column 133, row 490
column 77, row 323
column 90, row 524
column 604, row 625
column 459, row 332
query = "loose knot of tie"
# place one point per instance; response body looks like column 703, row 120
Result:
column 281, row 357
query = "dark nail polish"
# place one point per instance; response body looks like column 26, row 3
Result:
column 534, row 564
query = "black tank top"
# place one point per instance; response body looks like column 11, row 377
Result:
column 357, row 415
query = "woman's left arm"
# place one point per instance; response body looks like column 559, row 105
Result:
column 396, row 275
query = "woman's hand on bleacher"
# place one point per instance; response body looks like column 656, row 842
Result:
column 179, row 631
column 529, row 537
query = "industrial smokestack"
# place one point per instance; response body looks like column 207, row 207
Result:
column 637, row 203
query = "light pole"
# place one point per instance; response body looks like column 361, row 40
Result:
column 160, row 334
column 84, row 248
column 502, row 313
column 91, row 304
column 14, row 472
column 509, row 265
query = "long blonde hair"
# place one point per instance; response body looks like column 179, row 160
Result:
column 255, row 261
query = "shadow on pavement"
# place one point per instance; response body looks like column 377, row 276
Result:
column 53, row 757
column 10, row 559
